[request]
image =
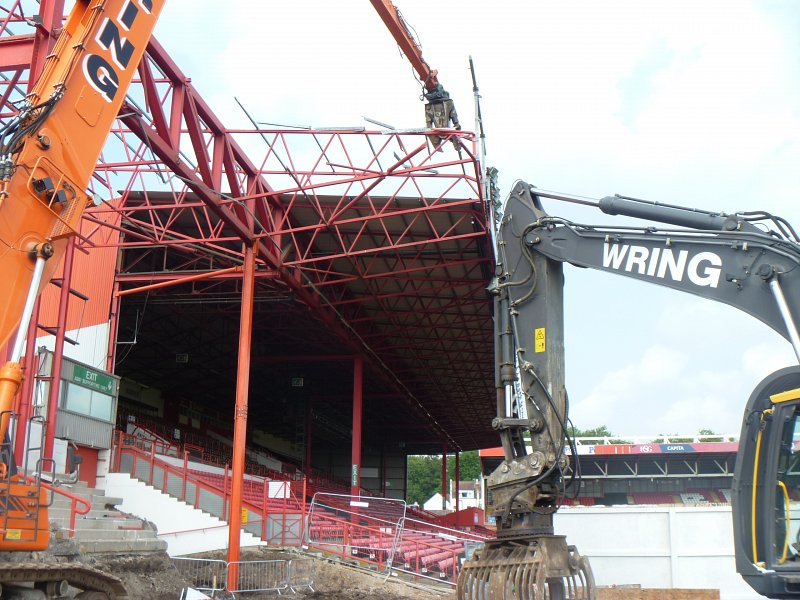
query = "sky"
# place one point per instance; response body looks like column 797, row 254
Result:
column 685, row 102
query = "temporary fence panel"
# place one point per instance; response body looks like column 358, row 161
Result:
column 360, row 527
column 432, row 551
column 301, row 573
column 260, row 575
column 206, row 575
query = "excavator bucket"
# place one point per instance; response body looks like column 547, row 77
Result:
column 544, row 568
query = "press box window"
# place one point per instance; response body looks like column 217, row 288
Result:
column 81, row 400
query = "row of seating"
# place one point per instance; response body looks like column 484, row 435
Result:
column 253, row 492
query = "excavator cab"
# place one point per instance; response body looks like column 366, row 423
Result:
column 766, row 507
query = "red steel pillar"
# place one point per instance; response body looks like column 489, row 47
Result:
column 444, row 477
column 240, row 416
column 309, row 435
column 25, row 396
column 113, row 329
column 58, row 350
column 458, row 479
column 45, row 36
column 358, row 382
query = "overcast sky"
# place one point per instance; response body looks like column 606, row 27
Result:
column 684, row 102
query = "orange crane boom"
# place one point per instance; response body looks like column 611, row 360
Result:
column 47, row 155
column 440, row 111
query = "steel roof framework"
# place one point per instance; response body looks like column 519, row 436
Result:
column 381, row 236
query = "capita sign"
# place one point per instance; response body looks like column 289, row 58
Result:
column 671, row 448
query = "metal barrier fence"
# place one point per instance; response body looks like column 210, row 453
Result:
column 260, row 575
column 301, row 574
column 375, row 531
column 211, row 576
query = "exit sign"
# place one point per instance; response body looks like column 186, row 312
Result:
column 92, row 379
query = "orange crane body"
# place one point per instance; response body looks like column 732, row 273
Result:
column 47, row 161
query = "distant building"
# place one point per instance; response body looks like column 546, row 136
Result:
column 470, row 495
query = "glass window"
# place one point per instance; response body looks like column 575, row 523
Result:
column 81, row 400
column 101, row 406
column 787, row 492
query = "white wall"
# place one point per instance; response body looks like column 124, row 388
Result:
column 186, row 529
column 657, row 547
column 92, row 346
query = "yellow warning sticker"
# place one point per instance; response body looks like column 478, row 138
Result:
column 540, row 339
column 13, row 534
column 244, row 516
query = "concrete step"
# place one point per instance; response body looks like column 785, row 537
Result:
column 57, row 512
column 82, row 535
column 122, row 546
column 96, row 500
column 103, row 523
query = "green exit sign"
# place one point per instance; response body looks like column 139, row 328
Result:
column 93, row 379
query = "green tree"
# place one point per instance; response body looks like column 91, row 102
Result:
column 705, row 432
column 597, row 432
column 425, row 474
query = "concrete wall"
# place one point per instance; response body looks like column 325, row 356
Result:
column 657, row 547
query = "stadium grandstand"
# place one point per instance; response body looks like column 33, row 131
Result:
column 656, row 470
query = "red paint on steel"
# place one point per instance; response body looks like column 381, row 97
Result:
column 16, row 51
column 176, row 280
column 58, row 352
column 88, row 470
column 30, row 363
column 45, row 36
column 309, row 434
column 457, row 491
column 113, row 330
column 358, row 395
column 240, row 416
column 444, row 477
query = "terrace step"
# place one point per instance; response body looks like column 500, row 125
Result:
column 103, row 529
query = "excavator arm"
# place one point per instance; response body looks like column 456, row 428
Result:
column 735, row 259
column 440, row 111
column 47, row 155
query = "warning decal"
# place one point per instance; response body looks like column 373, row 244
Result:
column 540, row 339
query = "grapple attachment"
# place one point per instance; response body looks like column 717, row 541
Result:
column 544, row 568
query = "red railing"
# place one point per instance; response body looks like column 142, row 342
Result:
column 284, row 508
column 75, row 501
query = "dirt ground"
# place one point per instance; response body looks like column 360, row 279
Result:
column 153, row 576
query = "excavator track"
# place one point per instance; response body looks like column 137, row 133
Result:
column 544, row 568
column 91, row 581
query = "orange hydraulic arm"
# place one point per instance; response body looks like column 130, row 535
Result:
column 48, row 154
column 440, row 111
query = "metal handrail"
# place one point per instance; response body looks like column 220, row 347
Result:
column 183, row 473
column 75, row 500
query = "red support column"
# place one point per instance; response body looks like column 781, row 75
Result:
column 113, row 329
column 383, row 470
column 458, row 479
column 240, row 416
column 58, row 350
column 444, row 477
column 358, row 382
column 309, row 435
column 45, row 36
column 25, row 397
